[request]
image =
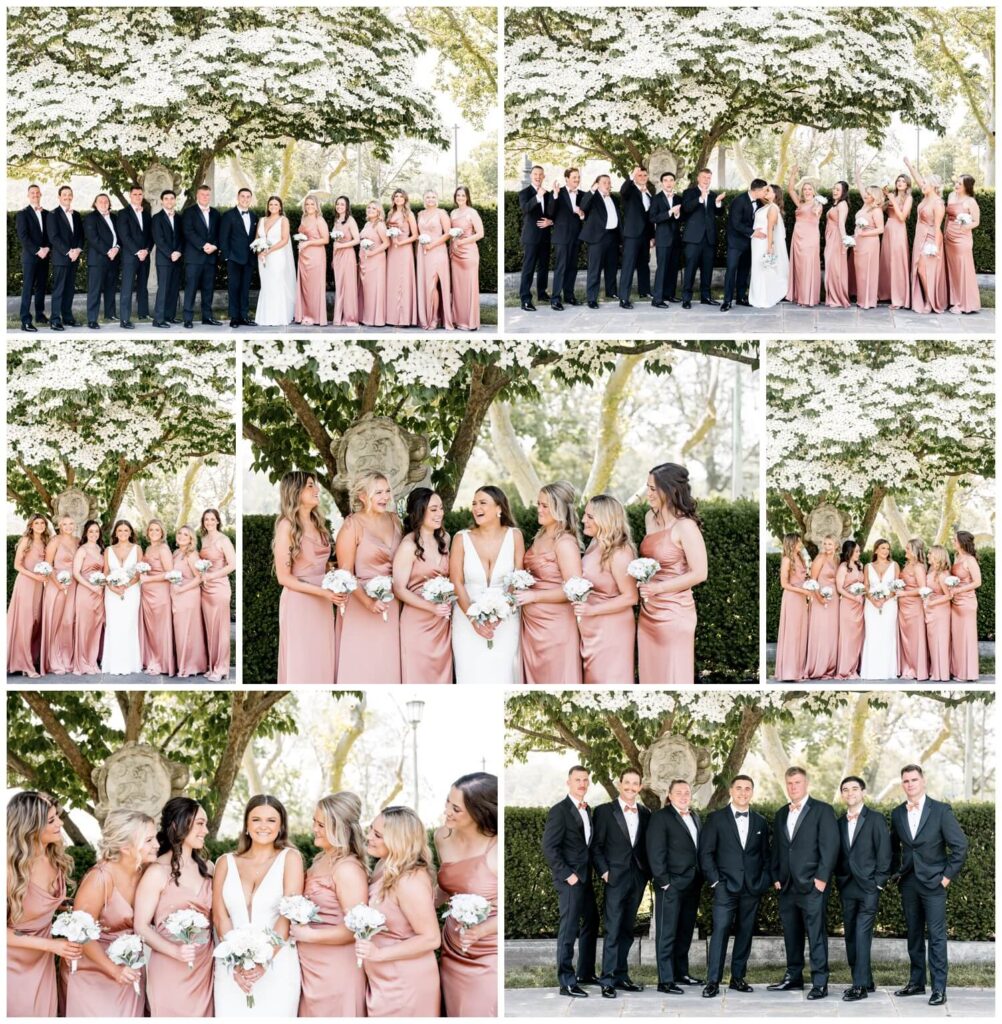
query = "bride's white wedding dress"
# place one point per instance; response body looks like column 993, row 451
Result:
column 122, row 656
column 475, row 663
column 276, row 301
column 276, row 994
column 768, row 284
column 880, row 636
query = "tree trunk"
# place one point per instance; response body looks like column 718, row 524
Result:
column 773, row 751
column 856, row 755
column 84, row 770
column 142, row 505
column 751, row 718
column 237, row 172
column 187, row 502
column 609, row 437
column 948, row 510
column 511, row 455
column 288, row 169
column 897, row 520
column 135, row 717
column 255, row 784
column 342, row 749
column 876, row 497
column 798, row 514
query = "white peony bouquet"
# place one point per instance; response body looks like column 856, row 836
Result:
column 925, row 593
column 964, row 218
column 951, row 581
column 467, row 909
column 366, row 244
column 337, row 235
column 64, row 577
column 393, row 232
column 812, row 586
column 203, row 565
column 518, row 579
column 857, row 589
column 187, row 927
column 848, row 241
column 424, row 239
column 827, row 593
column 174, row 576
column 643, row 570
column 492, row 606
column 259, row 245
column 821, row 200
column 247, row 948
column 380, row 588
column 455, row 232
column 42, row 569
column 97, row 579
column 298, row 909
column 897, row 585
column 862, row 221
column 300, row 237
column 577, row 589
column 881, row 591
column 129, row 951
column 141, row 568
column 119, row 578
column 363, row 922
column 340, row 581
column 76, row 926
column 439, row 590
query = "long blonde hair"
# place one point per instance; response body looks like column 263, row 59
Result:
column 27, row 815
column 562, row 498
column 612, row 528
column 29, row 535
column 341, row 812
column 194, row 540
column 364, row 482
column 289, row 492
column 406, row 848
column 792, row 543
column 939, row 554
column 119, row 832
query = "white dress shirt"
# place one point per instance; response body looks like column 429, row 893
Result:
column 38, row 214
column 851, row 824
column 111, row 228
column 139, row 216
column 646, row 196
column 632, row 820
column 573, row 196
column 585, row 820
column 914, row 817
column 69, row 215
column 742, row 825
column 205, row 213
column 245, row 217
column 794, row 817
column 690, row 824
column 612, row 218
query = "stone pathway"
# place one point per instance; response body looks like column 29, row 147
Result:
column 113, row 682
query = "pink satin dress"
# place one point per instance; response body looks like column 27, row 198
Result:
column 425, row 637
column 399, row 988
column 24, row 618
column 465, row 264
column 794, row 620
column 850, row 629
column 156, row 627
column 189, row 627
column 31, row 973
column 372, row 281
column 470, row 979
column 307, row 635
column 912, row 647
column 346, row 287
column 551, row 653
column 895, row 269
column 866, row 262
column 805, row 257
column 311, row 276
column 932, row 298
column 88, row 617
column 964, row 628
column 937, row 629
column 434, row 309
column 174, row 989
column 822, row 630
column 332, row 983
column 608, row 642
column 368, row 649
column 961, row 277
column 666, row 629
column 401, row 277
column 90, row 992
column 216, row 613
column 836, row 263
column 57, row 618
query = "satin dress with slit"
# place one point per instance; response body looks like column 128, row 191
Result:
column 401, row 277
column 608, row 642
column 964, row 628
column 189, row 628
column 931, row 297
column 31, row 973
column 937, row 628
column 216, row 595
column 822, row 633
column 88, row 615
column 57, row 617
column 425, row 637
column 346, row 288
column 850, row 628
column 911, row 630
column 433, row 281
column 794, row 622
column 307, row 633
column 962, row 279
column 156, row 637
column 24, row 618
column 550, row 645
column 666, row 629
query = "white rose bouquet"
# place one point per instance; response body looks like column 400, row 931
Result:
column 493, row 606
column 76, row 926
column 951, row 581
column 439, row 590
column 43, row 569
column 862, row 221
column 643, row 570
column 174, row 576
column 820, row 200
column 119, row 578
column 141, row 568
column 848, row 241
column 881, row 591
column 203, row 565
column 577, row 589
column 455, row 232
column 64, row 577
column 393, row 232
column 964, row 218
column 366, row 244
column 812, row 587
column 259, row 245
column 340, row 581
column 518, row 579
column 187, row 927
column 380, row 588
column 769, row 260
column 467, row 910
column 897, row 586
column 247, row 948
column 128, row 950
column 925, row 593
column 424, row 239
column 930, row 249
column 827, row 593
column 97, row 579
column 857, row 589
column 300, row 237
column 298, row 909
column 337, row 235
column 363, row 922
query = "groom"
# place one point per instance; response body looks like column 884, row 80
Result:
column 740, row 232
column 237, row 229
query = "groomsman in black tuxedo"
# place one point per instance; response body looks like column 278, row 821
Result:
column 928, row 850
column 735, row 861
column 804, row 854
column 536, row 205
column 136, row 230
column 200, row 224
column 566, row 237
column 237, row 229
column 673, row 841
column 619, row 853
column 103, row 248
column 567, row 843
column 30, row 225
column 635, row 200
column 601, row 233
column 700, row 208
column 864, row 865
column 740, row 232
column 168, row 237
column 665, row 215
column 66, row 236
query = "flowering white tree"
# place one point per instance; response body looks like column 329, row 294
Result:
column 99, row 415
column 111, row 90
column 620, row 82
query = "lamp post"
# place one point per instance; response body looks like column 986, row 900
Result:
column 415, row 711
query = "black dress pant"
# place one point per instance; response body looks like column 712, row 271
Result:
column 565, row 270
column 676, row 918
column 199, row 277
column 535, row 260
column 238, row 284
column 34, row 274
column 738, row 272
column 64, row 281
column 135, row 277
column 168, row 290
column 731, row 911
column 803, row 914
column 666, row 276
column 859, row 913
column 578, row 922
column 925, row 909
column 698, row 256
column 602, row 257
column 622, row 901
column 636, row 257
column 102, row 282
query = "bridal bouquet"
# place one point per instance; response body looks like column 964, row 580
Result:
column 173, row 576
column 203, row 565
column 43, row 569
column 577, row 589
column 492, row 606
column 259, row 245
column 439, row 590
column 393, row 232
column 247, row 948
column 881, row 591
column 769, row 260
column 340, row 581
column 300, row 237
column 364, row 922
column 848, row 241
column 467, row 910
column 128, row 950
column 380, row 588
column 930, row 249
column 964, row 218
column 298, row 909
column 64, row 577
column 424, row 239
column 643, row 570
column 97, row 579
column 119, row 578
column 187, row 927
column 455, row 232
column 76, row 926
column 366, row 244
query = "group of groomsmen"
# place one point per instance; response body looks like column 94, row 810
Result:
column 739, row 857
column 121, row 247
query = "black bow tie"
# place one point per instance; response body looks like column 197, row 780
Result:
column 740, row 814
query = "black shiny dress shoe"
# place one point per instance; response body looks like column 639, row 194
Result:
column 188, row 323
column 854, row 994
column 528, row 306
column 209, row 321
column 589, row 979
column 740, row 985
column 572, row 301
column 711, row 990
column 93, row 325
column 724, row 307
column 688, row 979
column 670, row 988
column 27, row 325
column 160, row 323
column 643, row 295
column 671, row 298
column 709, row 302
column 871, row 987
column 608, row 992
column 742, row 302
column 937, row 998
column 686, row 304
column 127, row 325
column 171, row 320
column 236, row 322
column 786, row 985
column 41, row 319
column 70, row 322
column 629, row 986
column 57, row 325
column 575, row 992
column 659, row 305
column 625, row 304
column 592, row 304
column 249, row 322
column 818, row 992
column 911, row 990
column 556, row 304
column 543, row 296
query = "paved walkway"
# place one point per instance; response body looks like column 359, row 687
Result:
column 112, row 682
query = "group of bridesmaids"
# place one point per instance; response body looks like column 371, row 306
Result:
column 838, row 629
column 937, row 275
column 144, row 873
column 414, row 640
column 61, row 623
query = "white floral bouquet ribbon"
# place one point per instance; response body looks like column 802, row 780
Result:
column 247, row 948
column 492, row 607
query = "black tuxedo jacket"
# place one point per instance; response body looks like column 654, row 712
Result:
column 740, row 221
column 927, row 855
column 531, row 212
column 700, row 224
column 132, row 236
column 611, row 848
column 566, row 223
column 196, row 235
column 596, row 220
column 98, row 236
column 233, row 238
column 672, row 855
column 666, row 225
column 31, row 236
column 724, row 862
column 62, row 237
column 865, row 866
column 636, row 220
column 564, row 845
column 165, row 238
column 813, row 850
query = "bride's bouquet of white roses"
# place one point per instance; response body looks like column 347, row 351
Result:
column 769, row 260
column 119, row 578
column 298, row 909
column 128, row 950
column 493, row 606
column 577, row 589
column 260, row 245
column 77, row 926
column 363, row 922
column 187, row 927
column 247, row 948
column 340, row 581
column 380, row 588
column 174, row 576
column 42, row 569
column 881, row 591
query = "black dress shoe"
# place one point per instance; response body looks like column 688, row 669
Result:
column 70, row 322
column 911, row 990
column 686, row 304
column 709, row 302
column 188, row 323
column 572, row 301
column 853, row 995
column 248, row 321
column 743, row 302
column 592, row 304
column 643, row 295
column 57, row 325
column 208, row 321
column 660, row 305
column 670, row 988
column 41, row 319
column 629, row 986
column 161, row 323
column 589, row 980
column 711, row 990
column 625, row 304
column 818, row 992
column 235, row 322
column 786, row 985
column 127, row 325
column 608, row 992
column 93, row 325
column 671, row 298
column 27, row 325
column 688, row 979
column 725, row 307
column 740, row 985
column 543, row 296
column 937, row 998
column 528, row 306
column 575, row 992
column 871, row 987
column 556, row 304
column 171, row 320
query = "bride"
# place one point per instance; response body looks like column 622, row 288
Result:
column 880, row 618
column 769, row 281
column 488, row 552
column 276, row 301
column 122, row 656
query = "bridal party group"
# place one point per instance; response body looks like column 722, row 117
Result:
column 403, row 602
column 84, row 605
column 840, row 619
column 156, row 929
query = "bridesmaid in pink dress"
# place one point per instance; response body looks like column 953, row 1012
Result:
column 311, row 272
column 100, row 988
column 24, row 613
column 911, row 615
column 179, row 975
column 666, row 630
column 962, row 219
column 805, row 246
column 401, row 281
column 434, row 286
column 368, row 634
column 866, row 255
column 372, row 267
column 929, row 292
column 156, row 628
column 400, row 962
column 57, row 602
column 822, row 630
column 836, row 254
column 467, row 846
column 337, row 881
column 425, row 627
column 895, row 272
column 551, row 653
column 88, row 606
column 465, row 262
column 964, row 609
column 794, row 611
column 218, row 549
column 938, row 612
column 37, row 873
column 606, row 620
column 186, row 609
column 850, row 612
column 307, row 640
column 345, row 265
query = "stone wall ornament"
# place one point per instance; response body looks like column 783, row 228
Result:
column 674, row 757
column 379, row 444
column 827, row 521
column 661, row 160
column 74, row 503
column 137, row 777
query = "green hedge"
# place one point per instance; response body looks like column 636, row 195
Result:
column 487, row 245
column 986, row 595
column 984, row 237
column 727, row 603
column 530, row 900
